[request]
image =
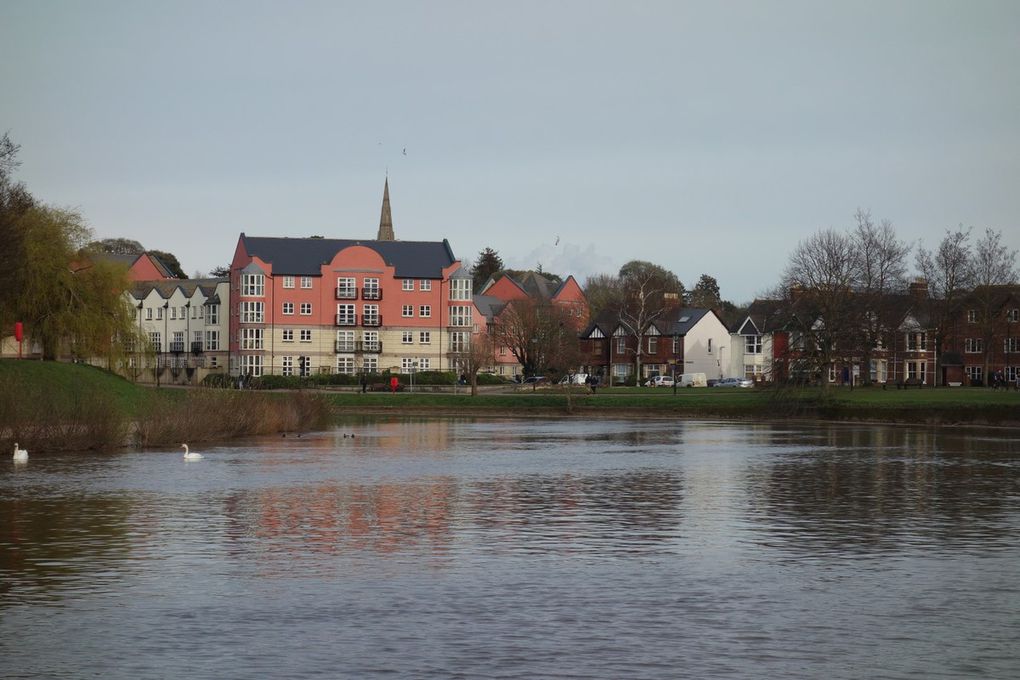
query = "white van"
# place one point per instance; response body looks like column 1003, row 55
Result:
column 693, row 380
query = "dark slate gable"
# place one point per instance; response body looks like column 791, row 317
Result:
column 305, row 256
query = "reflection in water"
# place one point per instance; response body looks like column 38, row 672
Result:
column 521, row 548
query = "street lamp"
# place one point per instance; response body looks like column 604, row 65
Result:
column 187, row 333
column 138, row 343
column 414, row 367
column 164, row 341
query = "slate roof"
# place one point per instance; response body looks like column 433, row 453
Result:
column 141, row 289
column 677, row 321
column 489, row 306
column 305, row 256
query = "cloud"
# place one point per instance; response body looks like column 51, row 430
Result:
column 565, row 259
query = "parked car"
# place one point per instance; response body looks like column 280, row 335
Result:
column 660, row 381
column 735, row 382
column 530, row 380
column 575, row 378
column 693, row 380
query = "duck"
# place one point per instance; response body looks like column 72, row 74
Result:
column 188, row 455
column 20, row 455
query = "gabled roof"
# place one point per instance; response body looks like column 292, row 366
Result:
column 165, row 289
column 305, row 256
column 677, row 321
column 488, row 306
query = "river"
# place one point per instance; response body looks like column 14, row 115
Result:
column 502, row 548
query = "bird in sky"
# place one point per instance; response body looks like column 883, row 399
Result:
column 557, row 241
column 405, row 150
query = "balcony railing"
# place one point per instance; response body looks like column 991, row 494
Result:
column 371, row 293
column 372, row 320
column 350, row 346
column 346, row 293
column 176, row 347
column 346, row 319
column 196, row 348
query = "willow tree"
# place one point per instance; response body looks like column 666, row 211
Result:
column 66, row 298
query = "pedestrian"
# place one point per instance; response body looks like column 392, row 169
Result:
column 364, row 383
column 393, row 384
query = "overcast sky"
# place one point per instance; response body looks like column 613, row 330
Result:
column 708, row 137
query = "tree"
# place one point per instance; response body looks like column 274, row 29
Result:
column 604, row 292
column 648, row 292
column 170, row 260
column 993, row 266
column 533, row 331
column 948, row 272
column 706, row 293
column 819, row 281
column 488, row 264
column 15, row 202
column 220, row 272
column 475, row 356
column 118, row 246
column 882, row 272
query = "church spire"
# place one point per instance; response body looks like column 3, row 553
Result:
column 386, row 220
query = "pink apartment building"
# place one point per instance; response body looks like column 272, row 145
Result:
column 313, row 305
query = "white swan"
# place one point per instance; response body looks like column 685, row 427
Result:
column 20, row 455
column 188, row 455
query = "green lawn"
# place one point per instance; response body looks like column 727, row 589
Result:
column 70, row 380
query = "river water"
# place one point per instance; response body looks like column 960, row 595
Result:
column 498, row 548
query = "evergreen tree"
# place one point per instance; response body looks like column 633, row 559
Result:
column 487, row 264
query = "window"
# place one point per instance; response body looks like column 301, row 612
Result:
column 306, row 309
column 251, row 364
column 460, row 315
column 425, row 338
column 425, row 311
column 288, row 308
column 621, row 345
column 973, row 345
column 345, row 365
column 676, row 344
column 408, row 284
column 460, row 289
column 346, row 288
column 1011, row 345
column 306, row 281
column 288, row 335
column 173, row 313
column 407, row 363
column 194, row 311
column 288, row 365
column 653, row 345
column 288, row 282
column 407, row 310
column 345, row 341
column 305, row 335
column 177, row 343
column 917, row 370
column 371, row 315
column 1012, row 373
column 196, row 339
column 212, row 317
column 148, row 313
column 370, row 364
column 753, row 371
column 710, row 345
column 425, row 285
column 159, row 313
column 971, row 316
column 752, row 344
column 156, row 341
column 1013, row 315
column 212, row 341
column 370, row 340
column 407, row 337
column 184, row 312
column 251, row 338
column 253, row 285
column 372, row 291
column 304, row 366
column 252, row 312
column 917, row 342
column 345, row 315
column 459, row 341
column 424, row 363
column 879, row 370
column 975, row 374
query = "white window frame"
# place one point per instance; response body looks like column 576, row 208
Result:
column 306, row 282
column 407, row 284
column 288, row 335
column 288, row 281
column 460, row 289
column 253, row 312
column 253, row 285
column 407, row 337
column 288, row 309
column 305, row 335
column 407, row 311
column 252, row 339
column 425, row 311
column 424, row 337
column 306, row 309
column 425, row 285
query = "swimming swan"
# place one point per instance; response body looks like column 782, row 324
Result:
column 20, row 455
column 188, row 455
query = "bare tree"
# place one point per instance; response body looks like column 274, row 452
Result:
column 476, row 355
column 820, row 279
column 882, row 272
column 532, row 330
column 603, row 292
column 993, row 267
column 648, row 292
column 949, row 274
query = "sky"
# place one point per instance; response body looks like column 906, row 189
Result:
column 707, row 137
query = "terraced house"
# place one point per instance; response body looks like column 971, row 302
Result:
column 322, row 305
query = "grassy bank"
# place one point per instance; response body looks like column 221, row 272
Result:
column 46, row 406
